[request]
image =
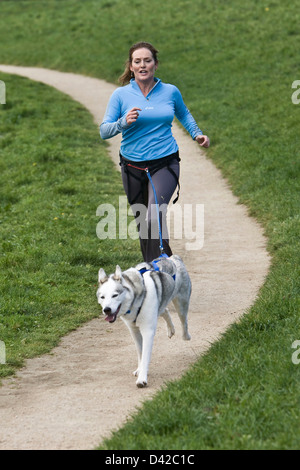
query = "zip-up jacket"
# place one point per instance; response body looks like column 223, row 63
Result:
column 150, row 137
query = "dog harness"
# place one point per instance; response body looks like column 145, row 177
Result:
column 142, row 271
column 154, row 265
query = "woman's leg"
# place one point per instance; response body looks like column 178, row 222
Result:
column 135, row 183
column 139, row 191
column 165, row 183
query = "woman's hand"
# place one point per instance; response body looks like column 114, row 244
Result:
column 203, row 140
column 132, row 115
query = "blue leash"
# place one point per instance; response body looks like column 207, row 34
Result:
column 156, row 202
column 157, row 211
column 162, row 254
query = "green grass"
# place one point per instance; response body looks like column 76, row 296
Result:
column 235, row 64
column 54, row 174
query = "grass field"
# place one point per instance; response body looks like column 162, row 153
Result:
column 234, row 64
column 54, row 174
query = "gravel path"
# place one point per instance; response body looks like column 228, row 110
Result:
column 74, row 396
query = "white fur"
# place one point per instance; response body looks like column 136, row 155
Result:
column 140, row 299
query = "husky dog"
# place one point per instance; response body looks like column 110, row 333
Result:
column 139, row 296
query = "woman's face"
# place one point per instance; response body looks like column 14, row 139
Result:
column 143, row 65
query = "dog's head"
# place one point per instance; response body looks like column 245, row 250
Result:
column 111, row 294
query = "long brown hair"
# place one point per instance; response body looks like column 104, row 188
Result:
column 127, row 74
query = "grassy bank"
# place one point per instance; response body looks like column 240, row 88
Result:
column 54, row 174
column 235, row 64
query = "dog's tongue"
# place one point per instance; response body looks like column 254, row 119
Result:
column 110, row 318
column 113, row 316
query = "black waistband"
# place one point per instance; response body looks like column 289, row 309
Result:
column 151, row 164
column 139, row 168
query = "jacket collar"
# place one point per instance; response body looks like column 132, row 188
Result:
column 137, row 88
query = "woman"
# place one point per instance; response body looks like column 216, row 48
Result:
column 143, row 112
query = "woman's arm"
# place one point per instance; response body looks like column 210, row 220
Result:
column 113, row 123
column 187, row 120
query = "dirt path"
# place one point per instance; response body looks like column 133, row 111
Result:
column 73, row 397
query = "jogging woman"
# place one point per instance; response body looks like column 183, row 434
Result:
column 143, row 111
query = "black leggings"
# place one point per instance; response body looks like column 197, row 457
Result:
column 165, row 174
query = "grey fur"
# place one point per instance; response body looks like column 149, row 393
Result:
column 139, row 299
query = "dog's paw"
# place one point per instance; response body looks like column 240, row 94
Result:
column 171, row 332
column 186, row 336
column 141, row 384
column 141, row 380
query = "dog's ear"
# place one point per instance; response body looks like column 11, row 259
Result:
column 102, row 276
column 118, row 274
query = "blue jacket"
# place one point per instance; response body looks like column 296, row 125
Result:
column 150, row 137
